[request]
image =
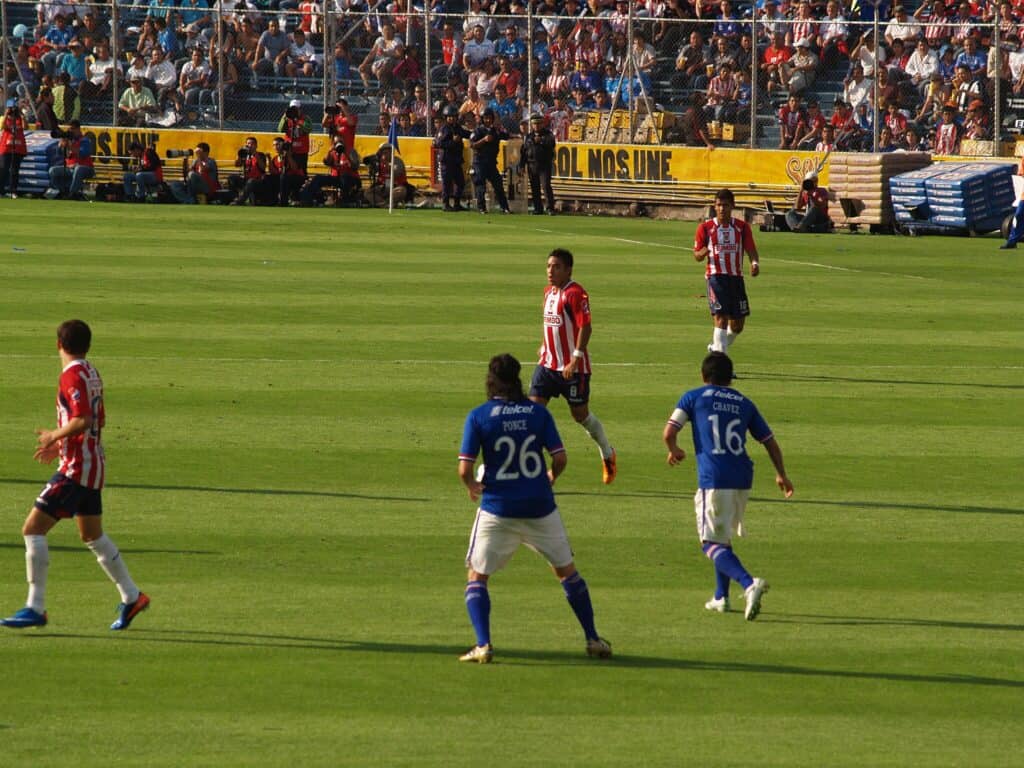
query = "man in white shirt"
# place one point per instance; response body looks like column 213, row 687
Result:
column 902, row 26
column 163, row 75
column 477, row 49
column 921, row 65
column 301, row 56
column 858, row 90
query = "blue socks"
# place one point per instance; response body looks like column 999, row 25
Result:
column 727, row 566
column 478, row 605
column 578, row 595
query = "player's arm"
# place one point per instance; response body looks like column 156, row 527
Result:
column 474, row 486
column 700, row 245
column 582, row 339
column 48, row 442
column 775, row 454
column 559, row 460
column 751, row 249
column 670, row 436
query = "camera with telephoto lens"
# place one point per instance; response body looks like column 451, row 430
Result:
column 332, row 109
column 808, row 185
column 244, row 153
column 57, row 133
column 180, row 152
column 292, row 113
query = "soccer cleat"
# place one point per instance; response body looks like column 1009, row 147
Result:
column 711, row 348
column 718, row 604
column 599, row 647
column 126, row 612
column 753, row 594
column 26, row 617
column 1007, row 246
column 481, row 654
column 609, row 469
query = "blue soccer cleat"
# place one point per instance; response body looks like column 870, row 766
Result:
column 26, row 617
column 126, row 612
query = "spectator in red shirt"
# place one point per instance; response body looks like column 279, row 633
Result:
column 775, row 56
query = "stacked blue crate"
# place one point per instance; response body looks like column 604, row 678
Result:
column 958, row 197
column 43, row 152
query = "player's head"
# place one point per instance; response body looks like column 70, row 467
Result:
column 717, row 369
column 74, row 337
column 724, row 203
column 559, row 267
column 503, row 378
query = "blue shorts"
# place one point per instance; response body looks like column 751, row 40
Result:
column 727, row 296
column 62, row 497
column 550, row 384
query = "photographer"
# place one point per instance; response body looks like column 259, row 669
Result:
column 379, row 166
column 199, row 177
column 341, row 122
column 296, row 128
column 250, row 185
column 149, row 174
column 539, row 156
column 136, row 104
column 286, row 171
column 12, row 147
column 66, row 180
column 810, row 214
column 343, row 175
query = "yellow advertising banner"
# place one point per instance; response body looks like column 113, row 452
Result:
column 112, row 147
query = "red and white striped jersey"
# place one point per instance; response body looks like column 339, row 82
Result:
column 80, row 393
column 566, row 310
column 726, row 244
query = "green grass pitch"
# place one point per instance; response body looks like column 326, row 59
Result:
column 286, row 392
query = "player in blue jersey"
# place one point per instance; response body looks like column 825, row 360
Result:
column 720, row 418
column 517, row 505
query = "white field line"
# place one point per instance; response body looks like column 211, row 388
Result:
column 328, row 360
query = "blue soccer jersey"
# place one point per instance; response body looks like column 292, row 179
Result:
column 512, row 437
column 720, row 418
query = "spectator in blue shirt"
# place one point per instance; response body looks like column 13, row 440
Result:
column 505, row 109
column 972, row 58
column 167, row 38
column 73, row 62
column 58, row 36
column 511, row 47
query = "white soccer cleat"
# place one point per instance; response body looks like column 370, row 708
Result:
column 753, row 594
column 717, row 604
column 599, row 647
column 481, row 654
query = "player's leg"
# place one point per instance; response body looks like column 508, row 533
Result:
column 548, row 537
column 578, row 396
column 543, row 385
column 499, row 189
column 90, row 529
column 492, row 543
column 719, row 513
column 719, row 318
column 735, row 329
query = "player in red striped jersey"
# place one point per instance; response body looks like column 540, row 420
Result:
column 564, row 367
column 723, row 241
column 74, row 491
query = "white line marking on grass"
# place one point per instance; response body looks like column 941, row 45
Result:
column 770, row 259
column 420, row 361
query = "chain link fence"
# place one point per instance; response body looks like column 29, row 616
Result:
column 791, row 75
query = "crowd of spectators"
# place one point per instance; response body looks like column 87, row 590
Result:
column 692, row 57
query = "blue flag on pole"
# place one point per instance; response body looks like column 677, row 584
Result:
column 393, row 135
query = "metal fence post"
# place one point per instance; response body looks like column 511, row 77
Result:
column 997, row 128
column 426, row 68
column 753, row 79
column 115, row 52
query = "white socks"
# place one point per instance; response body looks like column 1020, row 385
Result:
column 110, row 561
column 722, row 339
column 37, row 562
column 596, row 431
column 719, row 340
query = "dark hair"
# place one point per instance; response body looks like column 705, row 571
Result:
column 563, row 256
column 203, row 146
column 74, row 337
column 717, row 369
column 503, row 378
column 726, row 196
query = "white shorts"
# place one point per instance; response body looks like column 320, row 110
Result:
column 720, row 513
column 495, row 539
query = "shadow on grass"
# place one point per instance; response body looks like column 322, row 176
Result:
column 806, row 377
column 513, row 656
column 874, row 621
column 126, row 550
column 243, row 491
column 683, row 495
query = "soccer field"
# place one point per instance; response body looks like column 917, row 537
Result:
column 286, row 390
